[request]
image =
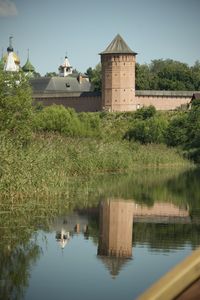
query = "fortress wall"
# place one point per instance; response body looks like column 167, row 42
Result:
column 91, row 102
column 79, row 103
column 162, row 102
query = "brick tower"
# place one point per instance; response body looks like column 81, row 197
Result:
column 118, row 76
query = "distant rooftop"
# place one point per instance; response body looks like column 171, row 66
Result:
column 118, row 46
column 68, row 84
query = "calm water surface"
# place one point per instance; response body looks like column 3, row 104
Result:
column 111, row 238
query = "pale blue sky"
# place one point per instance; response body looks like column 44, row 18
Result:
column 153, row 28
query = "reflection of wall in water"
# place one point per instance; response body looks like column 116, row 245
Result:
column 160, row 209
column 116, row 218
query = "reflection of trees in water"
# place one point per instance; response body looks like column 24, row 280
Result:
column 149, row 186
column 14, row 269
column 186, row 188
column 145, row 186
column 18, row 251
column 166, row 236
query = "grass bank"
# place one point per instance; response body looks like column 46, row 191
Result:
column 46, row 164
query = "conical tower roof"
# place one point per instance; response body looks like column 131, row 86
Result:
column 114, row 264
column 118, row 46
column 28, row 67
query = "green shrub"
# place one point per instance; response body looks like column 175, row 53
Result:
column 147, row 131
column 176, row 132
column 145, row 113
column 57, row 118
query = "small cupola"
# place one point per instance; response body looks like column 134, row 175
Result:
column 65, row 69
column 28, row 68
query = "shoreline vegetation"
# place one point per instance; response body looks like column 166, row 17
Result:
column 42, row 148
column 51, row 161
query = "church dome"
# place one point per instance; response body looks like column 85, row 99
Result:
column 15, row 56
column 28, row 67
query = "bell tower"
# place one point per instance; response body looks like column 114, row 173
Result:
column 118, row 76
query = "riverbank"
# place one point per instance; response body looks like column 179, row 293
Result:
column 47, row 163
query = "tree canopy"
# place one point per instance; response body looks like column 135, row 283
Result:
column 168, row 75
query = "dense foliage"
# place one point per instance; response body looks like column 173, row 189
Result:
column 168, row 75
column 57, row 118
column 175, row 129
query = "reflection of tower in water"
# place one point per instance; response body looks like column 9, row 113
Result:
column 116, row 225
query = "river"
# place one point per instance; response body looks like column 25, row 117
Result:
column 110, row 238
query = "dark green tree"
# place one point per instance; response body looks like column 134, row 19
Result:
column 171, row 75
column 196, row 75
column 95, row 77
column 167, row 74
column 143, row 77
column 176, row 133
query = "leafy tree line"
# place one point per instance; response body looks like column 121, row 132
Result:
column 168, row 75
column 159, row 75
